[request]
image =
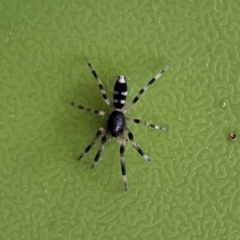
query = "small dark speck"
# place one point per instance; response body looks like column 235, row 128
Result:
column 232, row 136
column 210, row 50
column 223, row 104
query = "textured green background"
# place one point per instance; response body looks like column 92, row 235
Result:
column 190, row 191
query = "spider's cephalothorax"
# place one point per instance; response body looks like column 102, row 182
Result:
column 116, row 124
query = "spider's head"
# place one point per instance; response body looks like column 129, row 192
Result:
column 116, row 122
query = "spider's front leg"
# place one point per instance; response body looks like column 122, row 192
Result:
column 99, row 153
column 122, row 161
column 89, row 147
column 134, row 144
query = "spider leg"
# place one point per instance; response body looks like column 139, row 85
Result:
column 147, row 86
column 145, row 123
column 103, row 92
column 122, row 161
column 99, row 153
column 98, row 112
column 131, row 138
column 89, row 147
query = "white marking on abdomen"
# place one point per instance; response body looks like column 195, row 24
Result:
column 121, row 79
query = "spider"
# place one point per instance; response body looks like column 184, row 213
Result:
column 116, row 124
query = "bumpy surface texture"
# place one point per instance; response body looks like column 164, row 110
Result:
column 191, row 189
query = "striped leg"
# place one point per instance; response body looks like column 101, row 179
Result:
column 89, row 147
column 99, row 153
column 146, row 123
column 131, row 138
column 122, row 161
column 98, row 112
column 103, row 92
column 147, row 86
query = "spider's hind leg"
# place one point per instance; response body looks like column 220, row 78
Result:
column 153, row 80
column 103, row 92
column 134, row 144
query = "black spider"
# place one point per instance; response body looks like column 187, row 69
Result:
column 116, row 124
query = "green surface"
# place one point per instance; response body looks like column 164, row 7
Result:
column 190, row 190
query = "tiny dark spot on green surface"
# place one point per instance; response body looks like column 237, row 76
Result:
column 223, row 104
column 232, row 136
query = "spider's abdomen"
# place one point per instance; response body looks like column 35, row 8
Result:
column 120, row 92
column 116, row 122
